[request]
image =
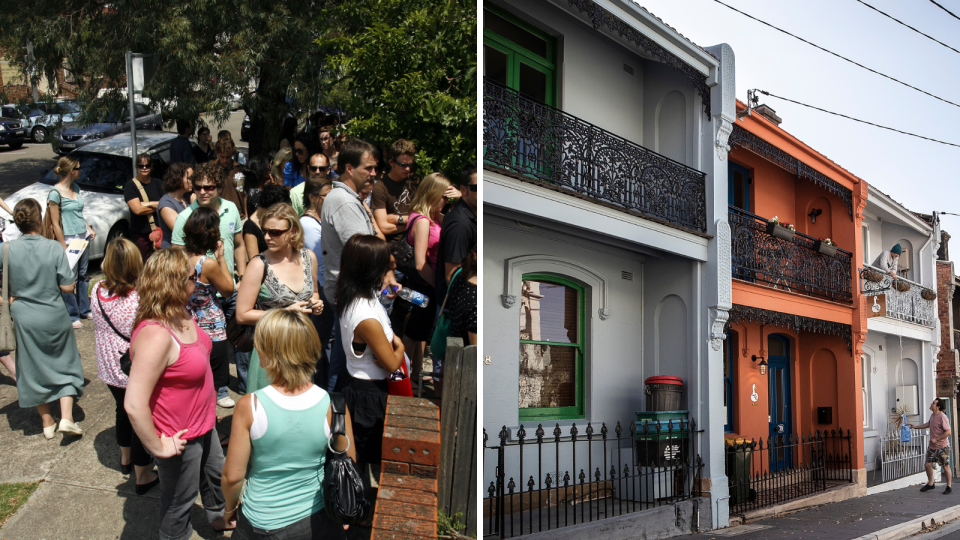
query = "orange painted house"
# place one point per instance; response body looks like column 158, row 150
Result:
column 797, row 312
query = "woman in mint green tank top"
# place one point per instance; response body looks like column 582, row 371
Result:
column 282, row 431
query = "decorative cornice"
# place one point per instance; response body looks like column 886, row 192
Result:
column 740, row 314
column 601, row 17
column 749, row 141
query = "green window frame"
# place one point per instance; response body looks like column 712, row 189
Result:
column 519, row 56
column 576, row 411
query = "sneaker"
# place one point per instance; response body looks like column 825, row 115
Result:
column 226, row 402
column 947, row 491
column 926, row 487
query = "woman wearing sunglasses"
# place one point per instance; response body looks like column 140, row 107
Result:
column 143, row 206
column 66, row 213
column 295, row 172
column 288, row 274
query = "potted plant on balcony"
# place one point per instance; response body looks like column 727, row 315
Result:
column 901, row 285
column 870, row 274
column 928, row 294
column 778, row 229
column 827, row 247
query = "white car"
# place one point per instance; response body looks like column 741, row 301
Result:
column 105, row 166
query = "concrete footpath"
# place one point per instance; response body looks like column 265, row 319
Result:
column 82, row 494
column 884, row 516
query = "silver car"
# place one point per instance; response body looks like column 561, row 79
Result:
column 41, row 119
column 73, row 135
column 105, row 166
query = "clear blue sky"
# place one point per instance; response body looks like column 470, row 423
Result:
column 919, row 174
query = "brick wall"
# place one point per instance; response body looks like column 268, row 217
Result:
column 407, row 498
column 947, row 356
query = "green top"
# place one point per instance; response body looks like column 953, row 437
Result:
column 71, row 211
column 296, row 198
column 229, row 226
column 286, row 470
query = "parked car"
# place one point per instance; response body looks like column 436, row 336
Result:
column 12, row 132
column 41, row 119
column 75, row 135
column 105, row 166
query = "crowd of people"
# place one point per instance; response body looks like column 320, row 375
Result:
column 291, row 266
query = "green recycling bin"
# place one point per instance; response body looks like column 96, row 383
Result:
column 738, row 464
column 664, row 447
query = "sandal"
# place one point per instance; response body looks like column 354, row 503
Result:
column 77, row 324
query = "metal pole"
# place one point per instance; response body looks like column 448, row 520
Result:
column 133, row 116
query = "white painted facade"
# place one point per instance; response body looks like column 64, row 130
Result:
column 656, row 296
column 898, row 352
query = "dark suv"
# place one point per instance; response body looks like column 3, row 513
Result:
column 12, row 132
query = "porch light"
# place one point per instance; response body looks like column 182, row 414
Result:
column 763, row 364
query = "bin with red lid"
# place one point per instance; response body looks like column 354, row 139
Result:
column 664, row 393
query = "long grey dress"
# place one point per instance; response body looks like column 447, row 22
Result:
column 47, row 358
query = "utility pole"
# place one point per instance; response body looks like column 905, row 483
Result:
column 133, row 116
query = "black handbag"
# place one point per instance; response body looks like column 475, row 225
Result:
column 402, row 251
column 125, row 363
column 241, row 335
column 342, row 487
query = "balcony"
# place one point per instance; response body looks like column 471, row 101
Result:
column 790, row 265
column 544, row 145
column 907, row 305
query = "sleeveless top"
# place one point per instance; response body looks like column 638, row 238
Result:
column 184, row 397
column 205, row 308
column 364, row 365
column 275, row 294
column 433, row 240
column 287, row 461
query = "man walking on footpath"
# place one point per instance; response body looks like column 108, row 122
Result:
column 939, row 449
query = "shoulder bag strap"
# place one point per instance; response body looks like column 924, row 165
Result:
column 447, row 296
column 143, row 195
column 99, row 303
column 6, row 282
column 339, row 405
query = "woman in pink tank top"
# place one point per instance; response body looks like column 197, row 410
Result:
column 171, row 399
column 423, row 233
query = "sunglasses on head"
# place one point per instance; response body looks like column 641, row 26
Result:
column 209, row 187
column 274, row 232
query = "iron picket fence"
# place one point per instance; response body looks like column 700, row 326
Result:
column 652, row 464
column 763, row 473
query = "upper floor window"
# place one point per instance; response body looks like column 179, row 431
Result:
column 738, row 186
column 518, row 56
column 551, row 348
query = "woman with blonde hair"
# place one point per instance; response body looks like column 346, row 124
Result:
column 47, row 359
column 276, row 430
column 282, row 277
column 280, row 160
column 423, row 233
column 116, row 302
column 66, row 207
column 170, row 395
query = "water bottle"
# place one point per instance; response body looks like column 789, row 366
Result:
column 415, row 298
column 386, row 301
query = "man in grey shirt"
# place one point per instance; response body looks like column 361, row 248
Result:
column 888, row 261
column 344, row 215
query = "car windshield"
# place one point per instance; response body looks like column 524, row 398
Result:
column 69, row 107
column 97, row 171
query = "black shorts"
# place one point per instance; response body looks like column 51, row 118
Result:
column 420, row 323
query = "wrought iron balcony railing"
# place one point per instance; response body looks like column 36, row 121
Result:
column 793, row 265
column 909, row 305
column 542, row 143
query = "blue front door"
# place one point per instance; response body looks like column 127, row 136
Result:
column 781, row 420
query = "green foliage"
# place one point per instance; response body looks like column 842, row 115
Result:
column 446, row 525
column 408, row 69
column 12, row 497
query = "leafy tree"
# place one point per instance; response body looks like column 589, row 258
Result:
column 410, row 70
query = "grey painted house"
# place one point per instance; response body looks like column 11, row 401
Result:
column 606, row 252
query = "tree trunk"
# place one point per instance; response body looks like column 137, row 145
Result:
column 266, row 115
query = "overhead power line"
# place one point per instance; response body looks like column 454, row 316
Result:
column 764, row 92
column 910, row 27
column 945, row 9
column 871, row 70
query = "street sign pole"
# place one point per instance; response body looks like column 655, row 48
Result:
column 133, row 116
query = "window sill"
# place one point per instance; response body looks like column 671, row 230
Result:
column 870, row 433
